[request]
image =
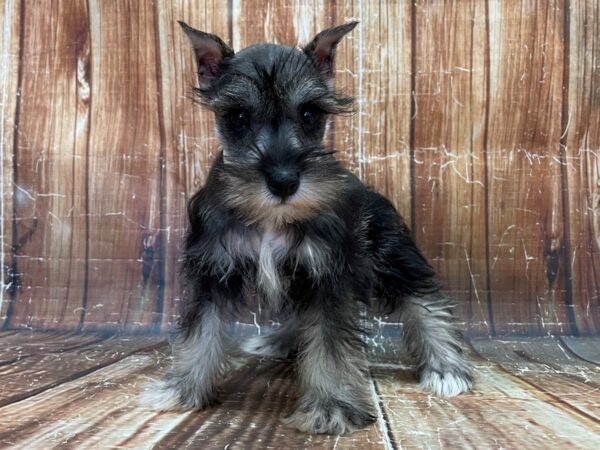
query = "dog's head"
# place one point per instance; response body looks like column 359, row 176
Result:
column 271, row 104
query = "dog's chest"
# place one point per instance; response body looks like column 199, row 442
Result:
column 272, row 251
column 269, row 251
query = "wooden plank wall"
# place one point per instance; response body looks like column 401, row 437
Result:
column 479, row 119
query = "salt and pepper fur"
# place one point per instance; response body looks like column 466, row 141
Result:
column 318, row 257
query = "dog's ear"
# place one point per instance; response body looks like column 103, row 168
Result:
column 210, row 52
column 322, row 47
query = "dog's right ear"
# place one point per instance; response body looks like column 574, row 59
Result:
column 210, row 52
column 322, row 47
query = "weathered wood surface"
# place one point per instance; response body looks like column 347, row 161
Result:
column 190, row 144
column 126, row 168
column 49, row 166
column 581, row 141
column 564, row 379
column 34, row 368
column 502, row 412
column 99, row 410
column 478, row 119
column 9, row 81
column 526, row 227
column 448, row 146
column 530, row 393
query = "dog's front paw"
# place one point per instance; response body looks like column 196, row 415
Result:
column 169, row 395
column 330, row 418
column 446, row 383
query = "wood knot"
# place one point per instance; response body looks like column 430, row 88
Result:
column 552, row 259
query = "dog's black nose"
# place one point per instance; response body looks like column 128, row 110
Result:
column 283, row 182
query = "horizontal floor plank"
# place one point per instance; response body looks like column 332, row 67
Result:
column 55, row 417
column 550, row 370
column 36, row 372
column 100, row 411
column 31, row 343
column 499, row 413
column 28, row 337
column 80, row 391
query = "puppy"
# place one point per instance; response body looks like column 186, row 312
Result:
column 279, row 215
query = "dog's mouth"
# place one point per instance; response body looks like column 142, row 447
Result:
column 284, row 202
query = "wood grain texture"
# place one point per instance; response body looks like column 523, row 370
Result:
column 10, row 29
column 346, row 129
column 448, row 123
column 492, row 159
column 502, row 412
column 100, row 410
column 83, row 402
column 581, row 169
column 125, row 169
column 545, row 365
column 49, row 175
column 25, row 344
column 33, row 369
column 190, row 141
column 384, row 102
column 530, row 393
column 526, row 232
column 254, row 400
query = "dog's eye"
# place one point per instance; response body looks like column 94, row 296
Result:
column 310, row 115
column 238, row 120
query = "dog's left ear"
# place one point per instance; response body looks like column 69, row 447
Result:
column 322, row 47
column 210, row 52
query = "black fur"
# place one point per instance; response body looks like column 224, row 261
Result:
column 318, row 256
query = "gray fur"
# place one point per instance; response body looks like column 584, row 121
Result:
column 280, row 344
column 281, row 217
column 432, row 339
column 334, row 379
column 200, row 363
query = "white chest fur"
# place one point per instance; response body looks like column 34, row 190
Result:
column 268, row 249
column 273, row 249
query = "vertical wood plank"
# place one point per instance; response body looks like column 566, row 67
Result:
column 124, row 167
column 385, row 103
column 374, row 65
column 581, row 134
column 526, row 52
column 293, row 23
column 114, row 118
column 448, row 150
column 191, row 143
column 346, row 129
column 10, row 28
column 49, row 165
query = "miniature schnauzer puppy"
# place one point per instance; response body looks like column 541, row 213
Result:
column 281, row 217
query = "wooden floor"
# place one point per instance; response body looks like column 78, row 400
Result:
column 67, row 391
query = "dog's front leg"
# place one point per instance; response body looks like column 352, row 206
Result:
column 199, row 363
column 332, row 368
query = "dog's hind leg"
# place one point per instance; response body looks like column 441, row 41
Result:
column 433, row 340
